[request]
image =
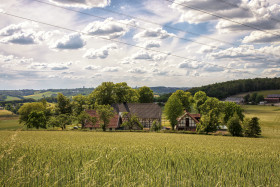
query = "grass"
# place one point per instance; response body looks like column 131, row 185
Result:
column 11, row 98
column 264, row 93
column 39, row 95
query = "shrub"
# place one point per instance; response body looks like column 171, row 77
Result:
column 234, row 126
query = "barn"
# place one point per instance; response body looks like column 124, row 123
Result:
column 146, row 113
column 188, row 121
column 273, row 98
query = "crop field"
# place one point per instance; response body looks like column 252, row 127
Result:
column 77, row 158
column 39, row 95
column 58, row 158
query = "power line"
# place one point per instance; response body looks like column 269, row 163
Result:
column 222, row 17
column 142, row 28
column 247, row 9
column 121, row 42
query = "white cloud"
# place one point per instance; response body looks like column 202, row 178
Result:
column 261, row 37
column 190, row 65
column 145, row 55
column 156, row 33
column 87, row 4
column 152, row 44
column 71, row 41
column 110, row 69
column 137, row 70
column 110, row 28
column 20, row 38
column 91, row 67
column 100, row 53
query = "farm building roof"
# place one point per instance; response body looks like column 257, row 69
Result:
column 273, row 96
column 193, row 116
column 141, row 110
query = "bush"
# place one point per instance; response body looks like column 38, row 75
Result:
column 234, row 126
column 156, row 126
column 251, row 127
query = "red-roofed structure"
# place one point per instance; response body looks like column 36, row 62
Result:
column 113, row 125
column 188, row 121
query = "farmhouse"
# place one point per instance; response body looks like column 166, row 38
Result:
column 146, row 113
column 273, row 98
column 188, row 121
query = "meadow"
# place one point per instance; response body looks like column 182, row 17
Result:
column 77, row 158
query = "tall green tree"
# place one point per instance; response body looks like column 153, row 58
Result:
column 146, row 95
column 251, row 127
column 199, row 98
column 173, row 109
column 124, row 93
column 229, row 109
column 27, row 108
column 60, row 120
column 63, row 105
column 37, row 119
column 105, row 112
column 185, row 98
column 105, row 94
column 78, row 103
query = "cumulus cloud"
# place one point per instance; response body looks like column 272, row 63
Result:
column 190, row 65
column 86, row 4
column 110, row 28
column 20, row 38
column 52, row 66
column 137, row 70
column 71, row 41
column 213, row 68
column 152, row 44
column 110, row 69
column 91, row 67
column 156, row 33
column 261, row 37
column 100, row 53
column 145, row 55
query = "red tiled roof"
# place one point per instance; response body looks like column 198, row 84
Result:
column 113, row 121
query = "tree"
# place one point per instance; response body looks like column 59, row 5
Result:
column 199, row 99
column 208, row 122
column 145, row 95
column 131, row 121
column 156, row 126
column 251, row 127
column 246, row 98
column 185, row 98
column 37, row 119
column 211, row 111
column 104, row 94
column 173, row 109
column 78, row 104
column 105, row 112
column 231, row 108
column 27, row 108
column 63, row 105
column 234, row 125
column 259, row 98
column 60, row 121
column 253, row 98
column 84, row 117
column 124, row 93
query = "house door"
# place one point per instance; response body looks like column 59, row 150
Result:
column 187, row 123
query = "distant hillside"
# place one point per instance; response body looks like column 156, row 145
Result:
column 229, row 88
column 262, row 92
column 163, row 90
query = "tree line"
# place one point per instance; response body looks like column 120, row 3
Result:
column 43, row 114
column 229, row 88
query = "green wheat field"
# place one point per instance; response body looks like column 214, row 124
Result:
column 77, row 158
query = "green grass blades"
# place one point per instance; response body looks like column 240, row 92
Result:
column 43, row 158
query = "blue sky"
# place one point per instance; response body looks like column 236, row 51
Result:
column 37, row 56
